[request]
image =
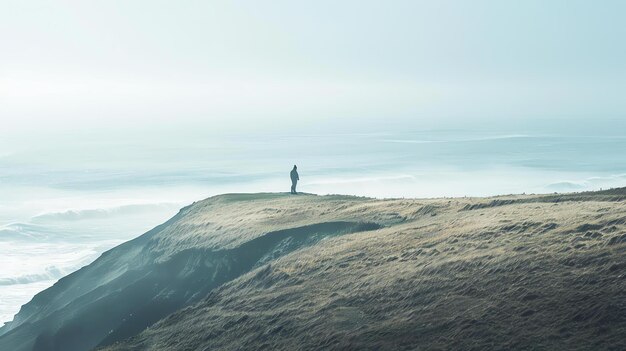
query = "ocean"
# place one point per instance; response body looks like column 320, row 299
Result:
column 64, row 201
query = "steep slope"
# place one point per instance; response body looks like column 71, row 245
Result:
column 254, row 271
column 134, row 285
column 536, row 273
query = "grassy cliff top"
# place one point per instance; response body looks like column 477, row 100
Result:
column 511, row 272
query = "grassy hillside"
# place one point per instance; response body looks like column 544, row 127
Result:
column 273, row 271
column 536, row 273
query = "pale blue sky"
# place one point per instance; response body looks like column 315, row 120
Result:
column 244, row 65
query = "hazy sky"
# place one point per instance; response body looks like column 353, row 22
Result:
column 231, row 65
column 108, row 106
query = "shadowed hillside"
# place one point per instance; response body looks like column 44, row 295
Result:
column 272, row 271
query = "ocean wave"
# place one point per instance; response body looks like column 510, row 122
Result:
column 103, row 213
column 50, row 273
column 615, row 177
column 496, row 137
column 590, row 183
column 27, row 231
column 25, row 263
column 328, row 181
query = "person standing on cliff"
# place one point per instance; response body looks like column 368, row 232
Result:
column 294, row 179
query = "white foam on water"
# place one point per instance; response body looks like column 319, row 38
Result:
column 12, row 297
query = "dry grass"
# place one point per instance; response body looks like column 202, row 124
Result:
column 517, row 272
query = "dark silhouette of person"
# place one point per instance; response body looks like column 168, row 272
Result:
column 294, row 179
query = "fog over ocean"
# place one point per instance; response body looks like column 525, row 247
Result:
column 66, row 201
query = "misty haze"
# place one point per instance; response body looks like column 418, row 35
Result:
column 460, row 185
